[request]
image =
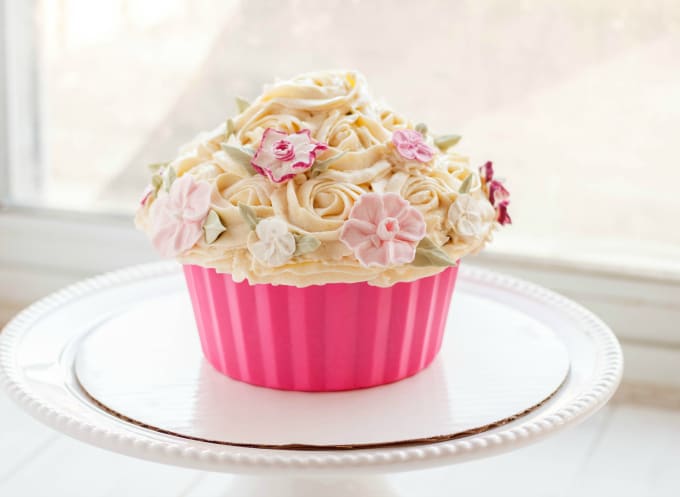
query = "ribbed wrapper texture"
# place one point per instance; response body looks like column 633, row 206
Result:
column 339, row 336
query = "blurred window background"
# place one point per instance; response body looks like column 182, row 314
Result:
column 577, row 102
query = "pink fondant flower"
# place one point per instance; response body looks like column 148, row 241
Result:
column 499, row 196
column 177, row 218
column 281, row 156
column 383, row 229
column 411, row 146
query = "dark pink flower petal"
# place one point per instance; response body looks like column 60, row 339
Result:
column 486, row 171
column 503, row 216
column 497, row 193
column 284, row 150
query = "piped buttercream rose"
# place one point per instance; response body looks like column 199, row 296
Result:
column 344, row 134
column 427, row 193
column 320, row 205
column 306, row 101
column 288, row 123
column 431, row 195
column 255, row 191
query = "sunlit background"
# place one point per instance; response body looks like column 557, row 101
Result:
column 577, row 102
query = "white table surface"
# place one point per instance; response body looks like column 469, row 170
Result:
column 31, row 342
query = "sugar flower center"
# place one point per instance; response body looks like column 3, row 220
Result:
column 284, row 150
column 388, row 228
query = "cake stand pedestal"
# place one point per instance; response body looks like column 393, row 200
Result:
column 115, row 361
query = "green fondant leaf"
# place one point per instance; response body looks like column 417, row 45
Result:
column 428, row 254
column 242, row 104
column 169, row 175
column 465, row 185
column 230, row 129
column 213, row 227
column 157, row 166
column 156, row 182
column 305, row 244
column 427, row 243
column 248, row 215
column 321, row 166
column 241, row 155
column 421, row 128
column 445, row 142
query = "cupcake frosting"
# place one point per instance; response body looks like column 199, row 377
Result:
column 315, row 182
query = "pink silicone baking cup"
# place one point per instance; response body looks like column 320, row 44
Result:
column 339, row 336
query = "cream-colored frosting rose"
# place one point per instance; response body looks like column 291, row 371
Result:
column 360, row 158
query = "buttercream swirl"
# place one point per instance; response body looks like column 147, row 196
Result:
column 338, row 111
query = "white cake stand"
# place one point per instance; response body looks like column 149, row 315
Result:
column 114, row 361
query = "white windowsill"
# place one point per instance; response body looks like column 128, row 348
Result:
column 42, row 251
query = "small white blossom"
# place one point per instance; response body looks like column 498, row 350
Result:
column 276, row 244
column 471, row 218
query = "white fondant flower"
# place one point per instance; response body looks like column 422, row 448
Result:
column 276, row 244
column 471, row 218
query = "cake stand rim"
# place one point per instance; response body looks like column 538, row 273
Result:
column 177, row 451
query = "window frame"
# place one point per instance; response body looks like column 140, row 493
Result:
column 21, row 102
column 4, row 128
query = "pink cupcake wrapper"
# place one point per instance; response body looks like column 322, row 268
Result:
column 339, row 336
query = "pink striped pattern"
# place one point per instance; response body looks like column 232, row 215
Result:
column 319, row 338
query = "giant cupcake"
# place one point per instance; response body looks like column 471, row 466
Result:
column 320, row 234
